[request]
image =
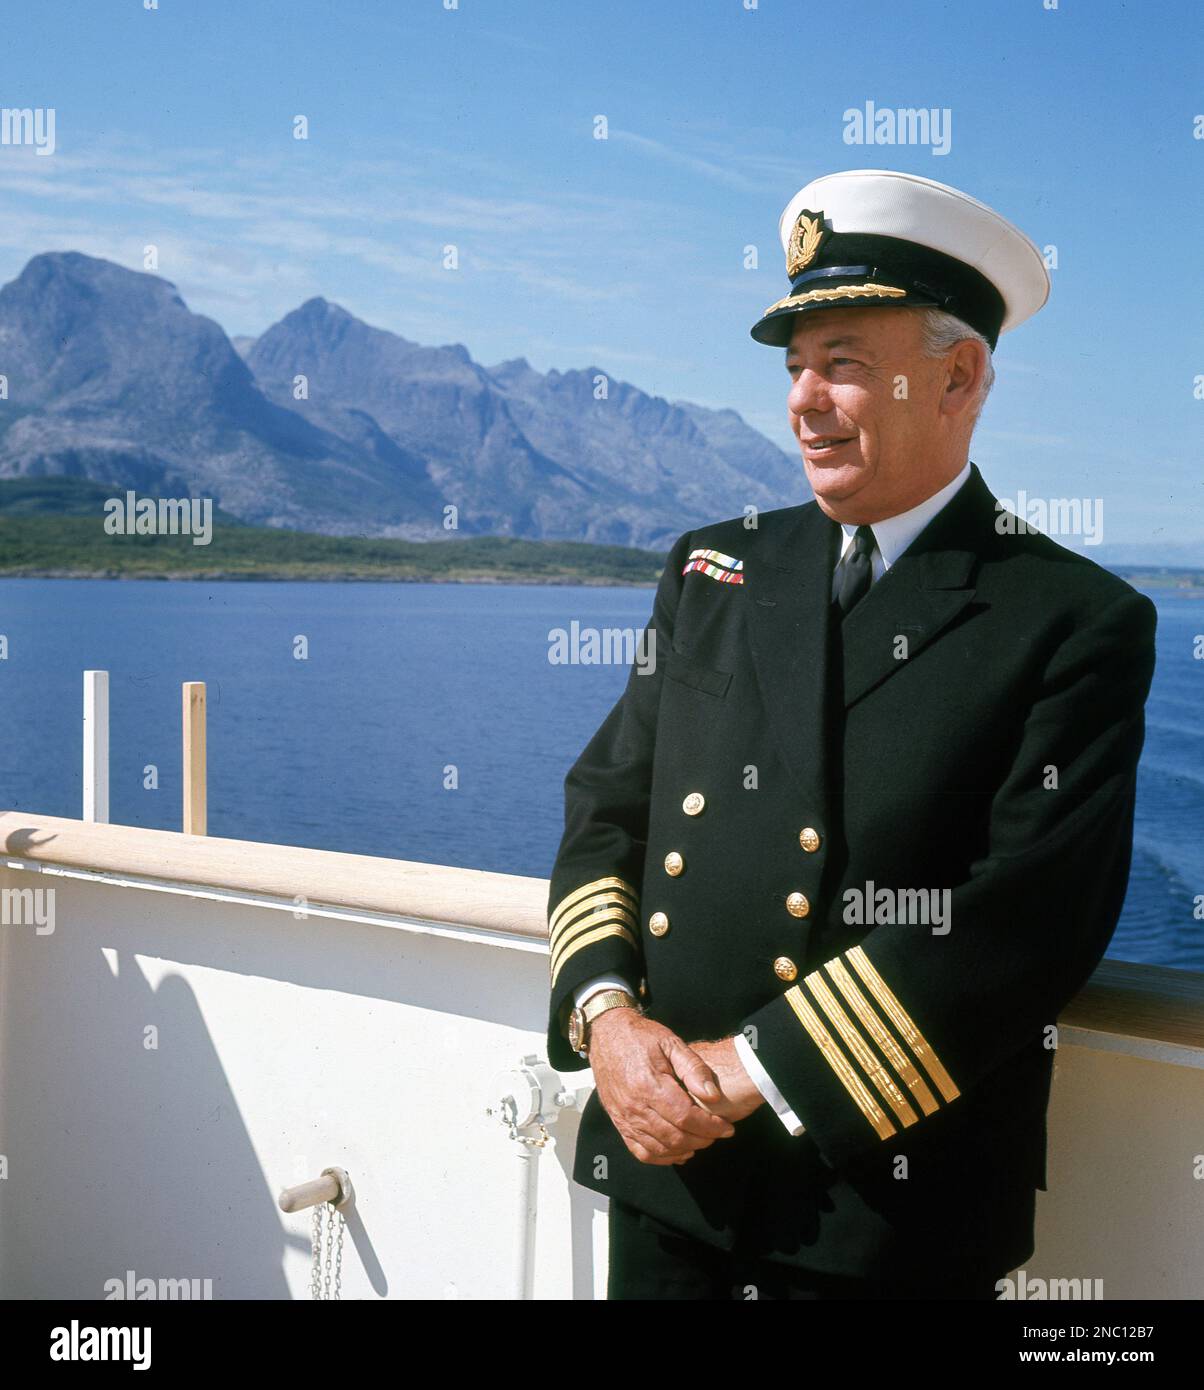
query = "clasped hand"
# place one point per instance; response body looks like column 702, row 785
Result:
column 667, row 1098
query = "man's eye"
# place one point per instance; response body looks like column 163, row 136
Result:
column 844, row 361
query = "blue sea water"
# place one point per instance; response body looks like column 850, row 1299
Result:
column 349, row 748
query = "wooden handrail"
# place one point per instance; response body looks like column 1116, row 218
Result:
column 1141, row 1001
column 195, row 819
column 437, row 893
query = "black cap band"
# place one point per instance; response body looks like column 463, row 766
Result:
column 883, row 270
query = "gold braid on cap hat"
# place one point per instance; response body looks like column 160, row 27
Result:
column 869, row 291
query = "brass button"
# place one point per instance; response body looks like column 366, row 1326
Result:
column 809, row 839
column 693, row 804
column 674, row 863
column 797, row 905
column 785, row 969
column 658, row 924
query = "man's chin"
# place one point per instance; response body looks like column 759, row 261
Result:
column 835, row 483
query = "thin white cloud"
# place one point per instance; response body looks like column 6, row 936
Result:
column 721, row 172
column 226, row 229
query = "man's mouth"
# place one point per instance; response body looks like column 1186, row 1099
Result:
column 824, row 444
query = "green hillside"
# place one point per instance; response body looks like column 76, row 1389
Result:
column 54, row 527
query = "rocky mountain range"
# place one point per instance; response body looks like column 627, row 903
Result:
column 327, row 424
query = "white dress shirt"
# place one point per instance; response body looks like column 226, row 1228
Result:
column 896, row 533
column 891, row 539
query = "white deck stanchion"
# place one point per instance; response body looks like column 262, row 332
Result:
column 96, row 746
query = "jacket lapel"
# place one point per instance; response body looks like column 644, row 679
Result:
column 919, row 597
column 788, row 584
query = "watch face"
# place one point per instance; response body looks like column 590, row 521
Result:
column 576, row 1030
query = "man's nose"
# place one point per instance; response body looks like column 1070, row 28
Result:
column 808, row 392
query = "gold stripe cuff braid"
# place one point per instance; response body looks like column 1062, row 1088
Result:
column 613, row 904
column 839, row 1063
column 877, row 1030
column 603, row 907
column 862, row 1053
column 597, row 934
column 903, row 1022
column 567, row 944
column 599, row 885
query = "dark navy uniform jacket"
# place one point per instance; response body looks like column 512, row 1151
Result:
column 973, row 726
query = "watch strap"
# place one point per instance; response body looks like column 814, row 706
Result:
column 604, row 1000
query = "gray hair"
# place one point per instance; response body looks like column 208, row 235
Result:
column 941, row 331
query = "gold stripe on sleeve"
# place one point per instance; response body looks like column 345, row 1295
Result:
column 588, row 939
column 597, row 886
column 587, row 924
column 877, row 1030
column 902, row 1020
column 610, row 903
column 884, row 1083
column 839, row 1063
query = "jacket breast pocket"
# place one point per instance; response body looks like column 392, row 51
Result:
column 686, row 671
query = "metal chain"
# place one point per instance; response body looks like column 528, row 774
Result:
column 315, row 1247
column 335, row 1224
column 530, row 1140
column 506, row 1112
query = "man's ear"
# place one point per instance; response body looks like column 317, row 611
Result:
column 965, row 367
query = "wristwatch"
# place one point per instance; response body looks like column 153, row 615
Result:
column 580, row 1019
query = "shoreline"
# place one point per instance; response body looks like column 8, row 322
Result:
column 1169, row 583
column 242, row 577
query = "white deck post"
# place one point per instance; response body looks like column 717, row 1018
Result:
column 96, row 746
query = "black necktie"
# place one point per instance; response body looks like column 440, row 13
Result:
column 851, row 582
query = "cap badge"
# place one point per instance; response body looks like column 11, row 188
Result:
column 809, row 232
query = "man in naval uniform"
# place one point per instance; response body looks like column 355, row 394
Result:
column 842, row 852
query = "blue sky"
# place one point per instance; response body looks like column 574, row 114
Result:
column 475, row 127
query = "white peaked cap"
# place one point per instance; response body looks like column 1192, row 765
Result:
column 869, row 203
